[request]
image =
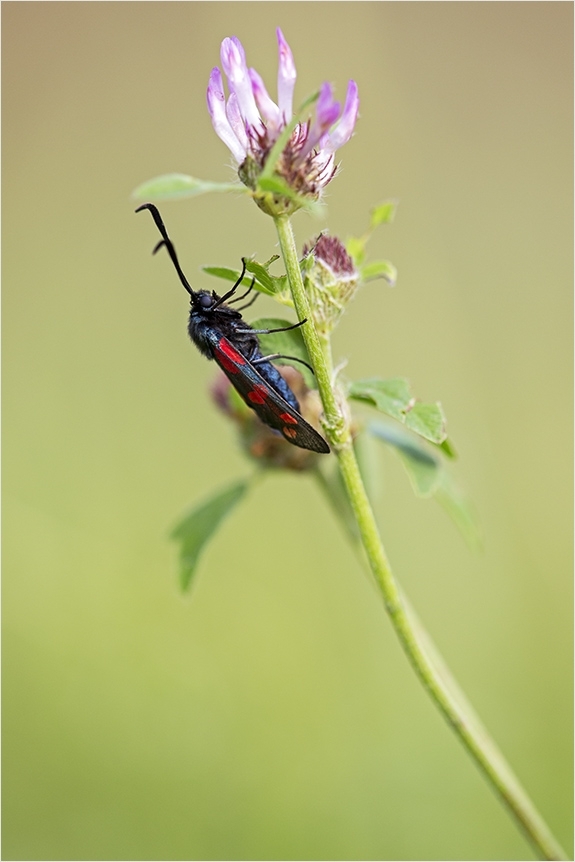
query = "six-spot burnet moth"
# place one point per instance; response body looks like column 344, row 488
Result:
column 220, row 333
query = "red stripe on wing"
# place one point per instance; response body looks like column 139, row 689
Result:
column 228, row 357
column 258, row 394
column 270, row 406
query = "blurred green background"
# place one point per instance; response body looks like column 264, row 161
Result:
column 271, row 714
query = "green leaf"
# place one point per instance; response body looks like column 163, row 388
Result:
column 404, row 441
column 355, row 246
column 307, row 263
column 384, row 213
column 447, row 448
column 277, row 186
column 394, row 398
column 172, row 186
column 199, row 525
column 427, row 420
column 429, row 478
column 232, row 275
column 290, row 343
column 272, row 259
column 424, row 477
column 379, row 269
column 423, row 470
column 271, row 283
column 389, row 396
column 265, row 283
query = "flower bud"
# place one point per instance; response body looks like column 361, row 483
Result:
column 331, row 280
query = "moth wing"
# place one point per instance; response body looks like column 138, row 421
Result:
column 266, row 402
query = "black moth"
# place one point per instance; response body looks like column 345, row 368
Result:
column 220, row 333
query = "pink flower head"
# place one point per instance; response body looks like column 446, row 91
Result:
column 250, row 122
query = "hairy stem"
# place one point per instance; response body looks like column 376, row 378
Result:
column 416, row 643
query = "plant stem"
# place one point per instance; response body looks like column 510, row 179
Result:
column 420, row 651
column 320, row 359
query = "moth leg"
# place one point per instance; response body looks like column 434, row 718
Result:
column 269, row 331
column 252, row 300
column 232, row 290
column 281, row 356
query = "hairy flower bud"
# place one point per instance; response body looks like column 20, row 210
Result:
column 331, row 280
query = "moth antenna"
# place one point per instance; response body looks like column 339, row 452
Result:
column 167, row 242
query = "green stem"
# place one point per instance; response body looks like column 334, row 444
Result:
column 416, row 643
column 320, row 358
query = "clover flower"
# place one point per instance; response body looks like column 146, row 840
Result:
column 250, row 122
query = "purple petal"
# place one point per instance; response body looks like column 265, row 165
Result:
column 286, row 78
column 267, row 107
column 236, row 121
column 235, row 66
column 327, row 112
column 327, row 109
column 344, row 129
column 217, row 108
